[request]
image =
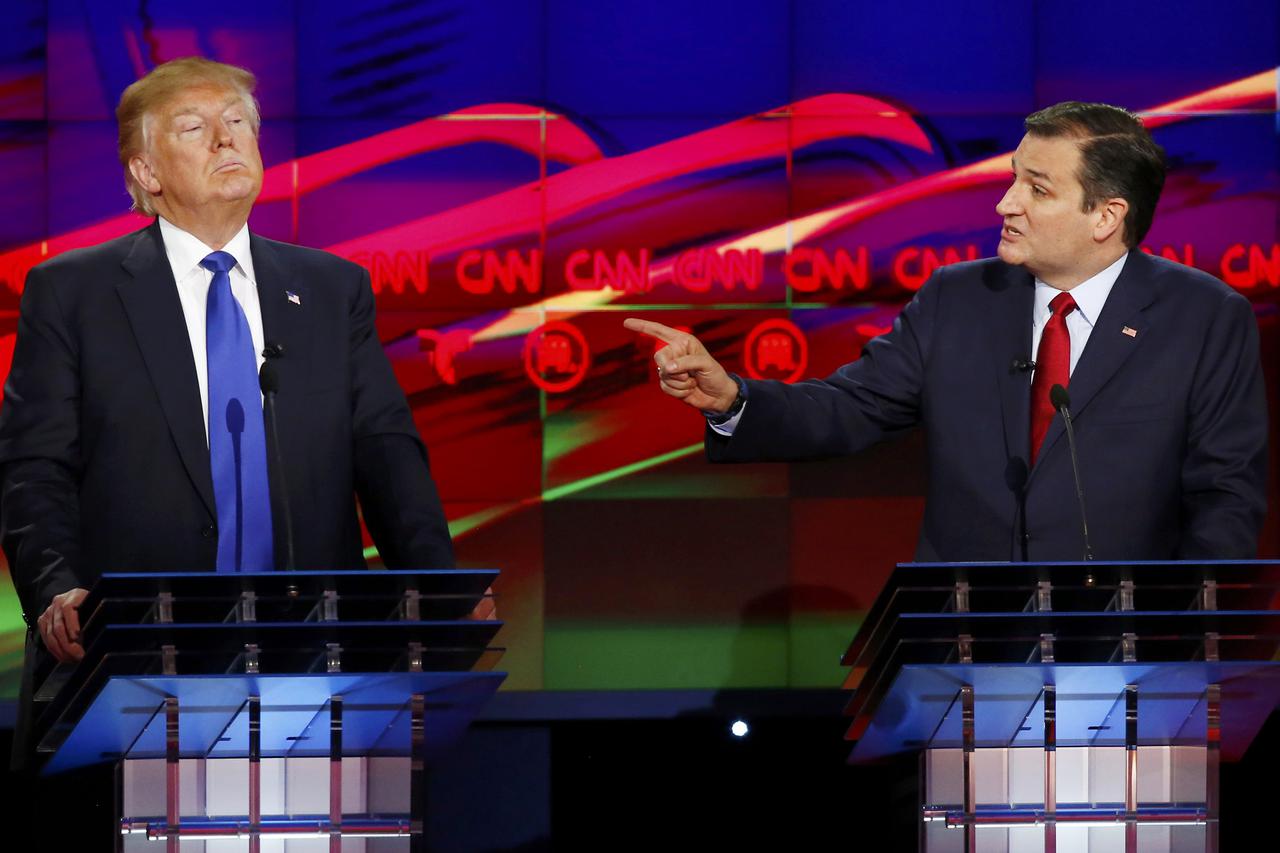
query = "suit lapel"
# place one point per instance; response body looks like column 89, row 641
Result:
column 1011, row 340
column 1109, row 346
column 150, row 299
column 283, row 301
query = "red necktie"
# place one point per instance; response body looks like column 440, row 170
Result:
column 1053, row 367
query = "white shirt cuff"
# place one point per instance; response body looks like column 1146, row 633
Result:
column 727, row 428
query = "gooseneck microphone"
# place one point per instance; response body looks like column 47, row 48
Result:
column 1062, row 402
column 269, row 381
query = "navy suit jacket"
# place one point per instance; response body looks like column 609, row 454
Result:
column 1167, row 398
column 105, row 463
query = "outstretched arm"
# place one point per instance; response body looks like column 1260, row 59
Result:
column 863, row 402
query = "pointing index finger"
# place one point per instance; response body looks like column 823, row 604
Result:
column 666, row 334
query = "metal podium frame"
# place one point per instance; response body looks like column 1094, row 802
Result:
column 323, row 696
column 1049, row 699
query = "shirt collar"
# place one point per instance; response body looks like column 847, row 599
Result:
column 1090, row 295
column 185, row 250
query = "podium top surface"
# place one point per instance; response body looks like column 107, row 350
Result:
column 1069, row 573
column 936, row 622
column 370, row 624
column 1033, row 563
column 1086, row 574
column 1068, row 587
column 923, row 708
column 127, row 718
column 306, row 573
column 442, row 581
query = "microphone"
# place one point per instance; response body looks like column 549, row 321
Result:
column 235, row 426
column 272, row 350
column 1019, row 365
column 269, row 381
column 1062, row 402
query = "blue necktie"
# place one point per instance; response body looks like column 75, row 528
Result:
column 237, row 438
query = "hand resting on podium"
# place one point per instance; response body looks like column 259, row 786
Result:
column 60, row 625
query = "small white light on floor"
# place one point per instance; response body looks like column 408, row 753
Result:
column 739, row 728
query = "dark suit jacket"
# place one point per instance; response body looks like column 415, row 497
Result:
column 1170, row 422
column 104, row 455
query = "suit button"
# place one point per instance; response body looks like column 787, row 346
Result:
column 1026, row 537
column 207, row 531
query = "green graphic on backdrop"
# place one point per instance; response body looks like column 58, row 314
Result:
column 13, row 633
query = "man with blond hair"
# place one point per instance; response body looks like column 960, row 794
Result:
column 132, row 436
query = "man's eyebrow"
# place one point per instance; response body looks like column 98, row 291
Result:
column 193, row 110
column 1042, row 176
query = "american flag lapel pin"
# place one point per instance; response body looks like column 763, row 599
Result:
column 293, row 297
column 1130, row 331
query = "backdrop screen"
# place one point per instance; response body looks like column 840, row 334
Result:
column 777, row 177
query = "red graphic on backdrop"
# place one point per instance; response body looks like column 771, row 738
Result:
column 556, row 356
column 600, row 270
column 442, row 348
column 593, row 179
column 397, row 272
column 482, row 273
column 696, row 270
column 1245, row 267
column 871, row 330
column 473, row 237
column 913, row 265
column 776, row 349
column 809, row 269
column 7, row 343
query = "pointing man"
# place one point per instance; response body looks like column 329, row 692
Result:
column 1161, row 362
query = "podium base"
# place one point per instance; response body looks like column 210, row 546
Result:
column 295, row 801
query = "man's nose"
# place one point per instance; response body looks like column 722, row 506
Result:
column 1009, row 205
column 222, row 137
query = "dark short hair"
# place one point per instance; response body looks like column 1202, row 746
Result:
column 1118, row 158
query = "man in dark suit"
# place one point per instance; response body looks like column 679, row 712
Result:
column 132, row 434
column 1161, row 362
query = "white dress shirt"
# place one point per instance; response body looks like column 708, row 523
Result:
column 185, row 252
column 1090, row 295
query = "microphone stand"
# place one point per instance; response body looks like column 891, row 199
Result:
column 270, row 384
column 1062, row 402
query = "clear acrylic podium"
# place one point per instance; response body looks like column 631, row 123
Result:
column 1067, row 706
column 282, row 711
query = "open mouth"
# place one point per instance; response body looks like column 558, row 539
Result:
column 1010, row 231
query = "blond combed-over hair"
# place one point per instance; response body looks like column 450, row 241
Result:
column 144, row 98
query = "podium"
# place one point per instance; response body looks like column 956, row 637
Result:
column 1072, row 706
column 271, row 708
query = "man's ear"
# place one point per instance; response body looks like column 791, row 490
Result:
column 142, row 174
column 1111, row 214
